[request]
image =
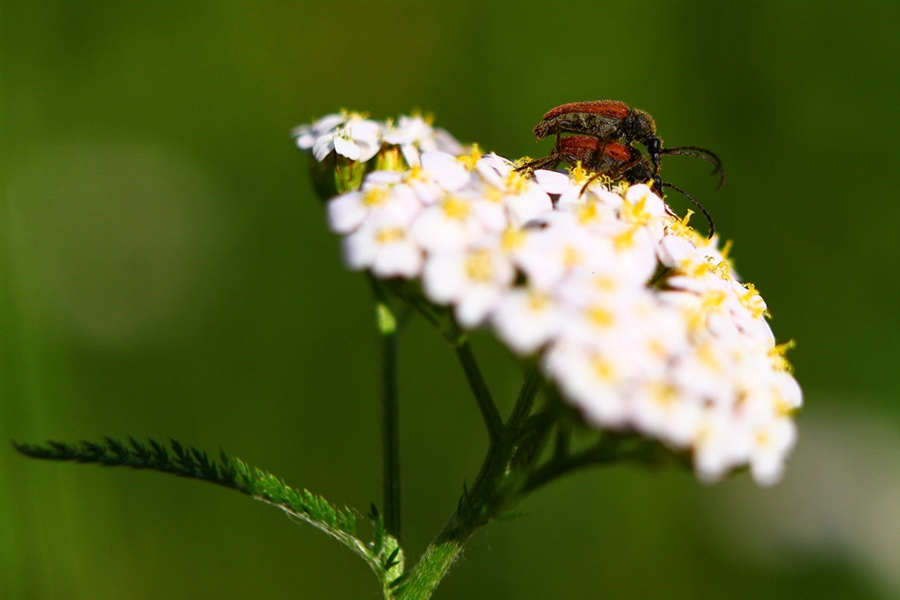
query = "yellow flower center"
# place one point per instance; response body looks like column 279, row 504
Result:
column 657, row 348
column 636, row 213
column 537, row 301
column 684, row 230
column 726, row 249
column 579, row 174
column 456, row 208
column 470, row 159
column 479, row 266
column 602, row 368
column 763, row 437
column 606, row 283
column 571, row 257
column 415, row 173
column 389, row 235
column 512, row 239
column 625, row 240
column 351, row 115
column 375, row 197
column 713, row 300
column 723, row 269
column 601, row 317
column 782, row 407
column 779, row 358
column 664, row 395
column 587, row 213
column 516, row 182
column 752, row 301
column 708, row 357
column 493, row 194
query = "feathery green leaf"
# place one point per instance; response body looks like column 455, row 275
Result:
column 383, row 554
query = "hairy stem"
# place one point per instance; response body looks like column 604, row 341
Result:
column 436, row 561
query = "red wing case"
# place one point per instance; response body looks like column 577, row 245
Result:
column 607, row 108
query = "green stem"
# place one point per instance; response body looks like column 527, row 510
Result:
column 487, row 494
column 563, row 440
column 485, row 500
column 436, row 561
column 559, row 466
column 413, row 298
column 390, row 410
column 526, row 397
column 486, row 405
column 612, row 448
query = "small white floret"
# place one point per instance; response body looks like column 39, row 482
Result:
column 474, row 281
column 526, row 319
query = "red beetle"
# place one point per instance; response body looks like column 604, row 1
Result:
column 612, row 120
column 617, row 161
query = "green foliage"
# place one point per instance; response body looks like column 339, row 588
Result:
column 383, row 553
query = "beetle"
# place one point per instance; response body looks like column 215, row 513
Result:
column 599, row 156
column 617, row 161
column 613, row 120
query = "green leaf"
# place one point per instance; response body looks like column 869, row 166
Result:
column 383, row 554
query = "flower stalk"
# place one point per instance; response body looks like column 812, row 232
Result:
column 390, row 408
column 477, row 384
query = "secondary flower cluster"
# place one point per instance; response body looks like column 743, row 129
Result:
column 639, row 320
column 354, row 136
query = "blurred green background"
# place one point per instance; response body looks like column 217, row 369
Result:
column 166, row 271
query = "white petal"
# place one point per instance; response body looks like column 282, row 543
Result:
column 359, row 250
column 446, row 170
column 443, row 279
column 368, row 149
column 674, row 249
column 346, row 212
column 528, row 206
column 607, row 198
column 347, row 148
column 303, row 136
column 384, row 178
column 767, row 463
column 365, row 130
column 652, row 202
column 400, row 259
column 410, row 154
column 787, row 389
column 323, row 147
column 476, row 304
column 328, row 123
column 447, row 143
column 553, row 182
column 436, row 233
column 526, row 320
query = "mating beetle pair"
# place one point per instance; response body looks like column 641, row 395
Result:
column 606, row 129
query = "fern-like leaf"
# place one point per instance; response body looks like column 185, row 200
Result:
column 383, row 555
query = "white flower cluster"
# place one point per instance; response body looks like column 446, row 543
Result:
column 639, row 320
column 354, row 136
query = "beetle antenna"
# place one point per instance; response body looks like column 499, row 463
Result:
column 704, row 154
column 590, row 180
column 709, row 219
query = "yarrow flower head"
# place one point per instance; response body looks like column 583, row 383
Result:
column 358, row 138
column 641, row 323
